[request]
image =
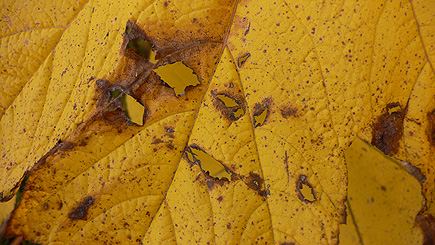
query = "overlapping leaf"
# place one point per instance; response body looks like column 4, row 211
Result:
column 309, row 77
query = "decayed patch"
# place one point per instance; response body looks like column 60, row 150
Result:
column 261, row 112
column 288, row 111
column 305, row 190
column 427, row 225
column 255, row 182
column 231, row 106
column 81, row 210
column 112, row 104
column 137, row 45
column 388, row 129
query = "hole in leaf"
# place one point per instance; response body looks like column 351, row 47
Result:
column 240, row 112
column 230, row 107
column 260, row 118
column 229, row 102
column 142, row 48
column 178, row 76
column 305, row 189
column 115, row 93
column 207, row 163
column 134, row 109
column 242, row 59
column 127, row 29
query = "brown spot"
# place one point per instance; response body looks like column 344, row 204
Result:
column 64, row 146
column 388, row 129
column 301, row 183
column 231, row 113
column 81, row 211
column 431, row 127
column 157, row 141
column 427, row 225
column 287, row 243
column 288, row 111
column 255, row 182
column 242, row 59
column 169, row 130
column 220, row 199
column 170, row 146
column 229, row 225
column 59, row 205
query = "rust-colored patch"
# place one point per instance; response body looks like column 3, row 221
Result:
column 302, row 180
column 242, row 59
column 81, row 210
column 229, row 112
column 427, row 225
column 388, row 129
column 430, row 131
column 288, row 111
column 255, row 182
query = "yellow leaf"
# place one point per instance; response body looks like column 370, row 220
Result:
column 29, row 31
column 278, row 91
column 383, row 200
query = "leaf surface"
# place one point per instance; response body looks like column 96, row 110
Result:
column 383, row 199
column 307, row 79
column 29, row 31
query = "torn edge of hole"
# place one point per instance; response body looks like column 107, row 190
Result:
column 414, row 171
column 193, row 158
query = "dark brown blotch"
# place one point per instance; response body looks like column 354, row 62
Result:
column 81, row 210
column 431, row 127
column 388, row 129
column 288, row 111
column 427, row 225
column 256, row 183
